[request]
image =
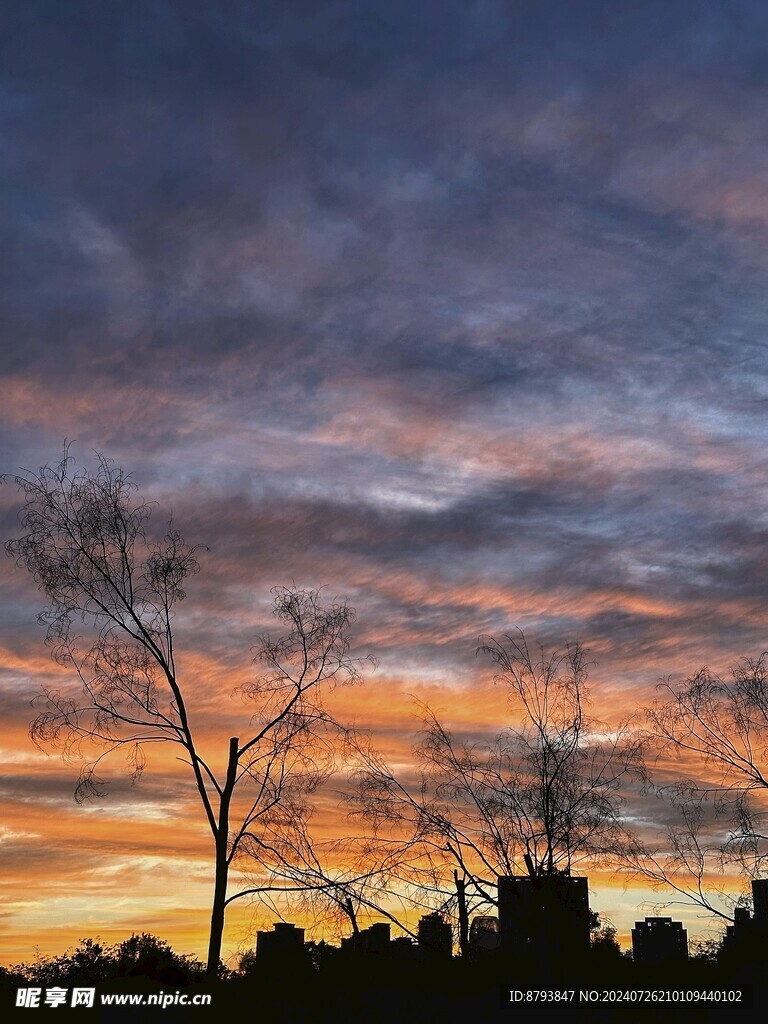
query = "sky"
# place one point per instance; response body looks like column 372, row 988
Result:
column 458, row 310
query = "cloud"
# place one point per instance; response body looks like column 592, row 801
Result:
column 462, row 320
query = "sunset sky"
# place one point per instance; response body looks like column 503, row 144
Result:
column 457, row 309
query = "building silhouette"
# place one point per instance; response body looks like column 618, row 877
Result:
column 484, row 935
column 760, row 898
column 544, row 915
column 659, row 941
column 284, row 940
column 374, row 939
column 435, row 934
column 750, row 929
column 403, row 946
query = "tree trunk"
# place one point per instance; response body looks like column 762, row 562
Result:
column 222, row 864
column 350, row 911
column 461, row 896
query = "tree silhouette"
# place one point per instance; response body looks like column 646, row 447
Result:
column 719, row 727
column 542, row 798
column 333, row 881
column 113, row 591
column 91, row 962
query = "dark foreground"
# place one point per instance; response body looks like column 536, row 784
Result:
column 365, row 990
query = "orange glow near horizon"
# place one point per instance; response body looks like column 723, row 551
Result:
column 141, row 860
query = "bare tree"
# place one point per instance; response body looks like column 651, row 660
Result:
column 717, row 728
column 113, row 593
column 332, row 881
column 543, row 797
column 687, row 858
